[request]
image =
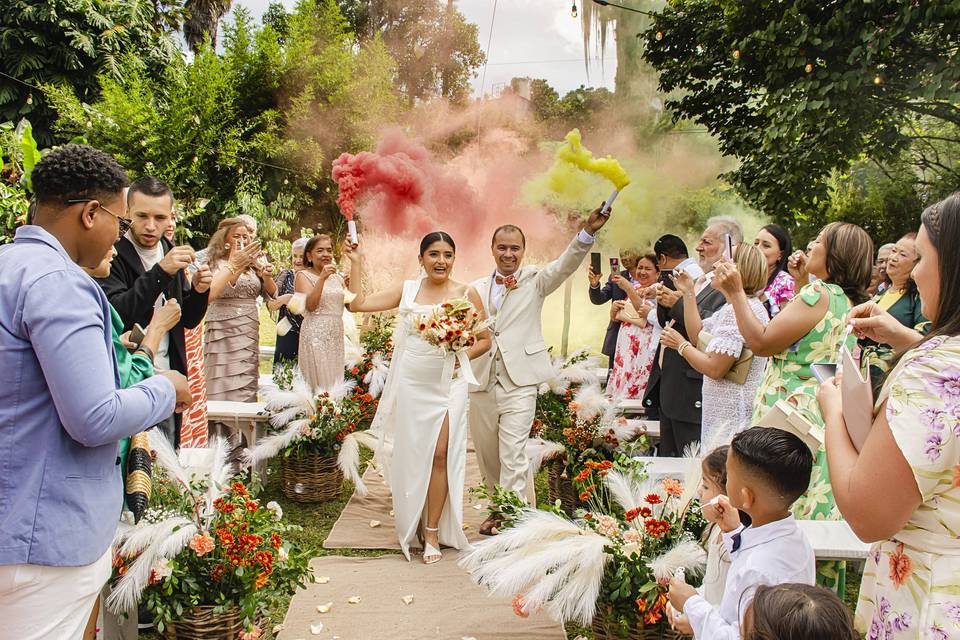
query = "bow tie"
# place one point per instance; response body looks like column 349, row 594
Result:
column 737, row 541
column 509, row 281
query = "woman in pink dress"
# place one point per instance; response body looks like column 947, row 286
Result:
column 638, row 338
column 321, row 333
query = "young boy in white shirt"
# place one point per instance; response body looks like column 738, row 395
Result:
column 767, row 470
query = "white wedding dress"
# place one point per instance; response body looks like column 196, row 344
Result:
column 422, row 388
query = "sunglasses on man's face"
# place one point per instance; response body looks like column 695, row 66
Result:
column 124, row 223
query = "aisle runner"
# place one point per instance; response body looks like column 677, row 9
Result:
column 446, row 605
column 353, row 531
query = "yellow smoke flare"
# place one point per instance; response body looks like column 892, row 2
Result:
column 574, row 153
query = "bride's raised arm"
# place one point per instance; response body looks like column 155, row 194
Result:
column 370, row 303
column 484, row 342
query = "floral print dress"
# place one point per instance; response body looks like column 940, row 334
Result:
column 789, row 377
column 911, row 583
column 779, row 293
column 633, row 359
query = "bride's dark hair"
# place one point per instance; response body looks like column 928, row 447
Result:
column 436, row 236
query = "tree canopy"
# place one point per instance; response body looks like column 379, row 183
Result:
column 799, row 89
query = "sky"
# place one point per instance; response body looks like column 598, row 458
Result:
column 535, row 38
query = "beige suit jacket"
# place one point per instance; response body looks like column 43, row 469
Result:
column 517, row 332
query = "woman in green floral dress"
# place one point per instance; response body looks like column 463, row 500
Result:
column 902, row 489
column 809, row 329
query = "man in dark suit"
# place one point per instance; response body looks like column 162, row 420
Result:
column 148, row 270
column 679, row 385
column 611, row 293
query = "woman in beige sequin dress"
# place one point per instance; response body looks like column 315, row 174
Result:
column 321, row 333
column 232, row 328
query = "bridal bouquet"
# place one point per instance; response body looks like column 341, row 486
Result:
column 609, row 565
column 453, row 326
column 205, row 542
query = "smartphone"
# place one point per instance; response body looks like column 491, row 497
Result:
column 136, row 335
column 595, row 262
column 823, row 371
column 614, row 265
column 728, row 246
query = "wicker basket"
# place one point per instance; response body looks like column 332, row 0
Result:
column 560, row 487
column 310, row 477
column 605, row 628
column 202, row 623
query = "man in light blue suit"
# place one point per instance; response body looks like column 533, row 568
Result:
column 62, row 411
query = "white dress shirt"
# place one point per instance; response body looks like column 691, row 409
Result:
column 776, row 553
column 499, row 291
column 150, row 257
column 691, row 266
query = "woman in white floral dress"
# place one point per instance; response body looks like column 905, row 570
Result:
column 727, row 405
column 902, row 489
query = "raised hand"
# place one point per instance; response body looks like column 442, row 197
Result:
column 596, row 220
column 727, row 279
column 671, row 338
column 873, row 323
column 243, row 258
column 667, row 297
column 594, row 278
column 621, row 282
column 177, row 258
column 683, row 281
column 327, row 271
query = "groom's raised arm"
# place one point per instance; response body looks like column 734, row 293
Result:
column 553, row 275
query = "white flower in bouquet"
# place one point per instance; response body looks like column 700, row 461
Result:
column 163, row 569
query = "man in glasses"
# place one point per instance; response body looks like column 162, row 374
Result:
column 62, row 411
column 149, row 270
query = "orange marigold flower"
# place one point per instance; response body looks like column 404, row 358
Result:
column 275, row 540
column 673, row 487
column 582, row 476
column 239, row 488
column 631, row 515
column 585, row 496
column 653, row 499
column 217, row 572
column 642, row 604
column 261, row 580
column 251, row 505
column 652, row 618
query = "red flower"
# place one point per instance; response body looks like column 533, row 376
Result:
column 632, row 515
column 251, row 505
column 653, row 499
column 275, row 540
column 355, row 371
column 582, row 476
column 641, row 604
column 217, row 572
column 239, row 488
column 261, row 580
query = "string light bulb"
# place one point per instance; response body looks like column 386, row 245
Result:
column 808, row 68
column 29, row 98
column 285, row 181
column 877, row 79
column 573, row 9
column 736, row 54
column 659, row 35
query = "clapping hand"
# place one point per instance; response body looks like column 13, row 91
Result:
column 683, row 281
column 242, row 258
column 166, row 317
column 727, row 279
column 326, row 271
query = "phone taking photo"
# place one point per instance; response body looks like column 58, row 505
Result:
column 595, row 262
column 136, row 335
column 614, row 265
column 728, row 246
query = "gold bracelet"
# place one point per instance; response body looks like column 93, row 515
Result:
column 233, row 269
column 682, row 347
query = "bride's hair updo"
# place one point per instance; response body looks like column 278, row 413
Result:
column 436, row 236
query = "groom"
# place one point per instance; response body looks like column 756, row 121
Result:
column 503, row 403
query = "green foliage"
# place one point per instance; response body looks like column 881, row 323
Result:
column 19, row 153
column 798, row 89
column 70, row 44
column 436, row 49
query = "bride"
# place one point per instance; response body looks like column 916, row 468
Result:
column 423, row 410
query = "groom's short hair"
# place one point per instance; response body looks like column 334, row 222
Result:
column 508, row 228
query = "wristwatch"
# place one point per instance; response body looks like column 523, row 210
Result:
column 146, row 351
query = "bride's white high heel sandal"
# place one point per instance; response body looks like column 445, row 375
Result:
column 431, row 554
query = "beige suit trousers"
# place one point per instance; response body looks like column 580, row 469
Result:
column 500, row 422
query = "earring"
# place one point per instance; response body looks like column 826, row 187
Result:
column 226, row 247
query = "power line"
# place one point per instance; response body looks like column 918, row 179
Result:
column 500, row 64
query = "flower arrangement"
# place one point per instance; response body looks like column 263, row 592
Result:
column 370, row 363
column 205, row 542
column 612, row 561
column 452, row 326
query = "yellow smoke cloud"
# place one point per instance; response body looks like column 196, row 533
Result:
column 574, row 154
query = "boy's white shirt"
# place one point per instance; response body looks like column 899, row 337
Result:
column 776, row 553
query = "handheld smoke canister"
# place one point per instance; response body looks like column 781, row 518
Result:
column 573, row 152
